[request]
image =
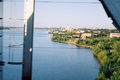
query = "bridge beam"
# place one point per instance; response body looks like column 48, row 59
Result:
column 112, row 8
column 28, row 39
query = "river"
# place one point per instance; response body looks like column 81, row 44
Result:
column 51, row 60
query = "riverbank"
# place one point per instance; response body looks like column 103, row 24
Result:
column 79, row 45
column 74, row 43
column 104, row 49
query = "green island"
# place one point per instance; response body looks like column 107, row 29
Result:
column 106, row 51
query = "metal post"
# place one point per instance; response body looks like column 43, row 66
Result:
column 28, row 39
column 1, row 37
column 1, row 29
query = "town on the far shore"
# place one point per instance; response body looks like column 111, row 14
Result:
column 85, row 33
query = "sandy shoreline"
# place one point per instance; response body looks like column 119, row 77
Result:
column 74, row 43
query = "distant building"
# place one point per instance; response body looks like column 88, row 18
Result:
column 68, row 36
column 82, row 31
column 96, row 35
column 69, row 29
column 62, row 29
column 114, row 35
column 86, row 35
column 77, row 32
column 97, row 32
column 55, row 32
column 76, row 35
column 61, row 32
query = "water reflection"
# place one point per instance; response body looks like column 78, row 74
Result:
column 50, row 60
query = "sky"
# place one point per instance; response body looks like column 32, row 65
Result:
column 60, row 14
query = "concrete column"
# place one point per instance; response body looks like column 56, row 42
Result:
column 28, row 39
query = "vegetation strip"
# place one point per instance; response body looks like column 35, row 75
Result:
column 106, row 50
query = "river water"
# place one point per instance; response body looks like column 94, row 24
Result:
column 51, row 60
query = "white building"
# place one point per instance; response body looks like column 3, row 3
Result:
column 69, row 29
column 114, row 35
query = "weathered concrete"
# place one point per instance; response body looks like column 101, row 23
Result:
column 28, row 39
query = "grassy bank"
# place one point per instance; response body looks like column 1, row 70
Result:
column 106, row 50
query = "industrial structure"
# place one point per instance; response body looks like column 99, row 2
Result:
column 112, row 8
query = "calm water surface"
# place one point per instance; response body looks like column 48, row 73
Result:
column 51, row 60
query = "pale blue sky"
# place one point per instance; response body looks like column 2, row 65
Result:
column 60, row 14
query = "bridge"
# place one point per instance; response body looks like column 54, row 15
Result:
column 111, row 7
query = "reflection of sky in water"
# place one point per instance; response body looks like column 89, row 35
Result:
column 51, row 60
